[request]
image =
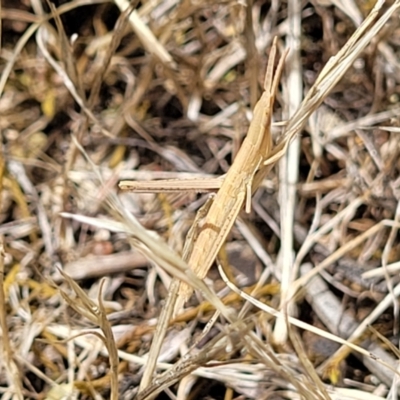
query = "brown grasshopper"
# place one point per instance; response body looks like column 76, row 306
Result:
column 242, row 179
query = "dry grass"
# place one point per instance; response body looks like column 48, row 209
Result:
column 306, row 295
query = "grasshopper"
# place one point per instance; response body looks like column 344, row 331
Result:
column 235, row 189
column 249, row 168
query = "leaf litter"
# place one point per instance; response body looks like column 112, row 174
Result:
column 93, row 93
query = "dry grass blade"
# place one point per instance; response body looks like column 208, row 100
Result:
column 98, row 315
column 156, row 250
column 147, row 37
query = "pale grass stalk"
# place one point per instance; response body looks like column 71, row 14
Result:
column 380, row 271
column 289, row 167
